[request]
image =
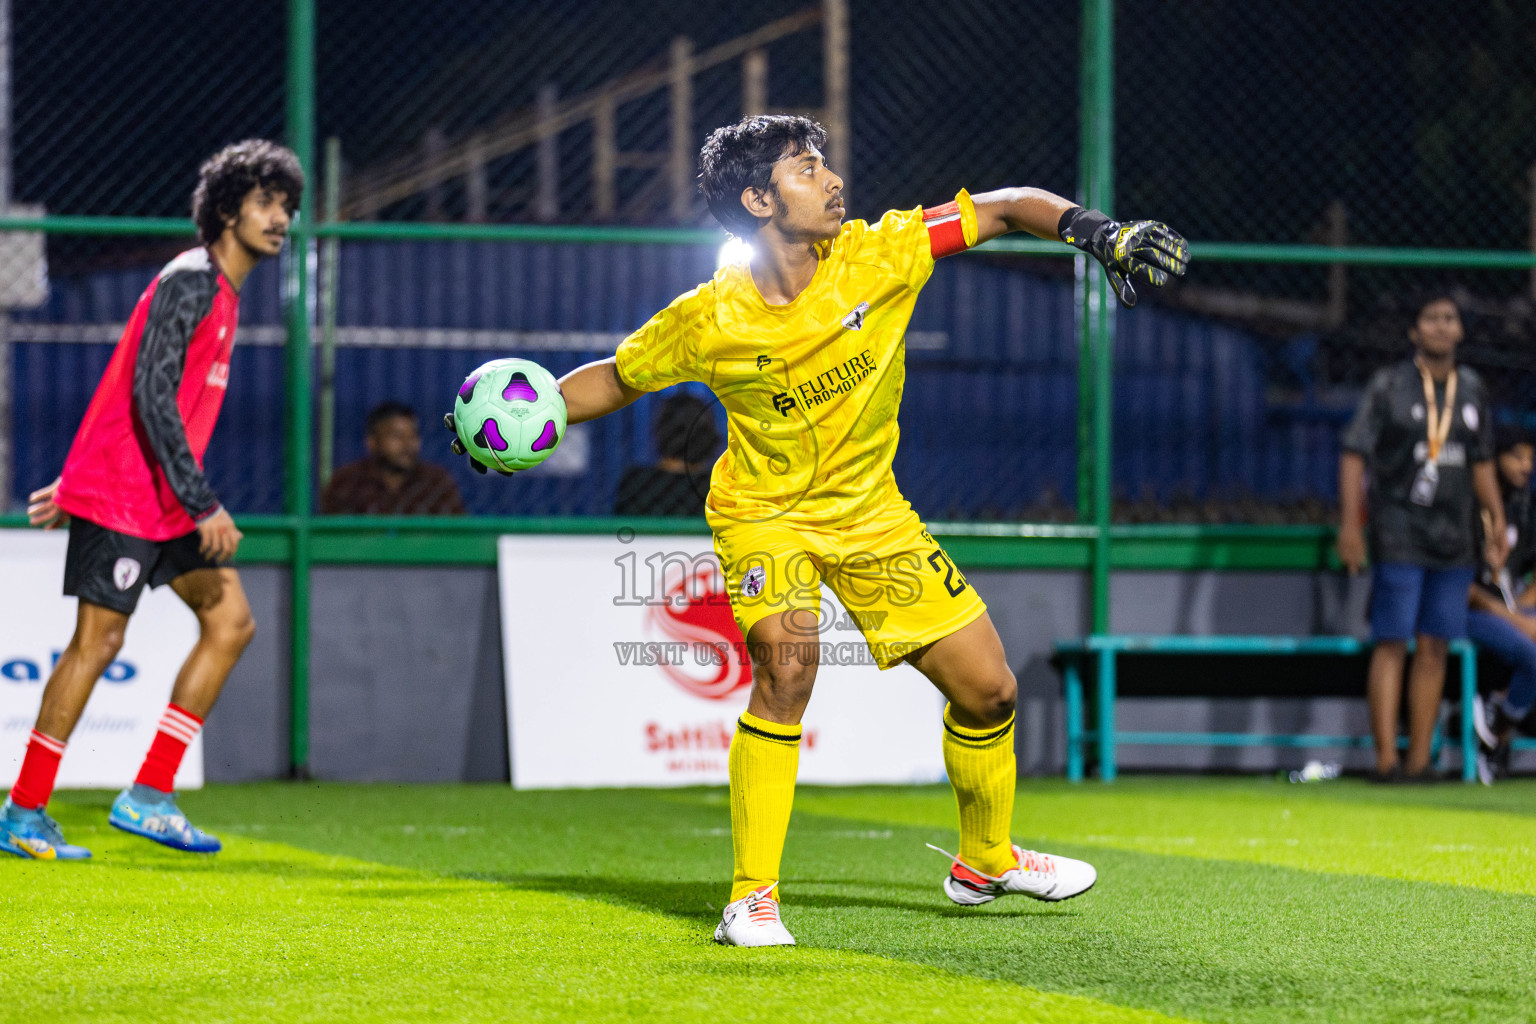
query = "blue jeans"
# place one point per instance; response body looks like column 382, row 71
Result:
column 1505, row 641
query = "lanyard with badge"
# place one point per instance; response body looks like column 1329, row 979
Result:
column 1438, row 425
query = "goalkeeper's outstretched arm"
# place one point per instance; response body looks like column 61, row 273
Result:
column 1144, row 250
column 595, row 390
column 1019, row 209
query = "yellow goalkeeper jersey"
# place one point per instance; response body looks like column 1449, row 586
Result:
column 811, row 389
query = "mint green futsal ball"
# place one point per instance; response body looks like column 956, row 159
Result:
column 510, row 414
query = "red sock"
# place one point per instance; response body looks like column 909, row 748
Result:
column 38, row 770
column 178, row 727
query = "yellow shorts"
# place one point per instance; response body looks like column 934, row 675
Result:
column 900, row 589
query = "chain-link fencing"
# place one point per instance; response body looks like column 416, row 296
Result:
column 1366, row 124
column 584, row 113
column 59, row 348
column 113, row 105
column 108, row 110
column 1245, row 426
column 990, row 359
column 580, row 111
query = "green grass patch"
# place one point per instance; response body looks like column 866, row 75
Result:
column 1219, row 900
column 1464, row 836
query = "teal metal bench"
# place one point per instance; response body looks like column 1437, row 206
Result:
column 1104, row 649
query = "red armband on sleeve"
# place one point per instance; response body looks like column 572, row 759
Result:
column 946, row 230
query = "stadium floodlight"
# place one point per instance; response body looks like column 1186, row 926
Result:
column 735, row 250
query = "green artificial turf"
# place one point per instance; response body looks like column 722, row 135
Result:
column 1218, row 900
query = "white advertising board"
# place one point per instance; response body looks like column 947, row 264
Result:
column 120, row 719
column 613, row 677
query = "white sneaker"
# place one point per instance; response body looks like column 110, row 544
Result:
column 1041, row 876
column 1481, row 721
column 1485, row 770
column 753, row 920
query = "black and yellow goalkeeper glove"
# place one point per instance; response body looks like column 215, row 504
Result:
column 1141, row 250
column 457, row 447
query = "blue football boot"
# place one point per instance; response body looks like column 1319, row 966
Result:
column 33, row 834
column 154, row 815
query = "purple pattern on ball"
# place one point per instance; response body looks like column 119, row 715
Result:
column 493, row 436
column 547, row 437
column 519, row 388
column 468, row 387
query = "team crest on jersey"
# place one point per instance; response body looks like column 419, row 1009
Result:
column 854, row 321
column 125, row 572
column 753, row 582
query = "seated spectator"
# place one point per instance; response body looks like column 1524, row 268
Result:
column 1502, row 619
column 392, row 479
column 688, row 442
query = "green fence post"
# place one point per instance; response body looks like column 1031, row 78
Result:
column 1468, row 699
column 330, row 253
column 1108, row 689
column 1097, row 332
column 1082, row 270
column 296, row 499
column 1072, row 680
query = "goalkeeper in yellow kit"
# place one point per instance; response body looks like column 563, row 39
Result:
column 803, row 345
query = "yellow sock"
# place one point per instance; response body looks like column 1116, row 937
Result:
column 981, row 767
column 765, row 757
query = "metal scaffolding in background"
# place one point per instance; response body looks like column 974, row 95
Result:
column 540, row 126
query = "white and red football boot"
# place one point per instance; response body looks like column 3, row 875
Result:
column 1041, row 876
column 753, row 920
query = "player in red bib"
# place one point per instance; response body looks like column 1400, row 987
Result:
column 139, row 510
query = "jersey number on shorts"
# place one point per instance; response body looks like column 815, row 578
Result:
column 951, row 574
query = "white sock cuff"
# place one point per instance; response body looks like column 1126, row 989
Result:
column 179, row 725
column 47, row 742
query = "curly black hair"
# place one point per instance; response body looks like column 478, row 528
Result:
column 227, row 177
column 741, row 156
column 1421, row 299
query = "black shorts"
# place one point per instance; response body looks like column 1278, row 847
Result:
column 109, row 568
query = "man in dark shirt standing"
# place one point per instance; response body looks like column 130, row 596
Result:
column 1423, row 433
column 392, row 479
column 1502, row 619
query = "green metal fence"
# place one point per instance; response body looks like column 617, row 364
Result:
column 1095, row 544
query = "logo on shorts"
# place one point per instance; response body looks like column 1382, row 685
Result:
column 125, row 573
column 752, row 583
